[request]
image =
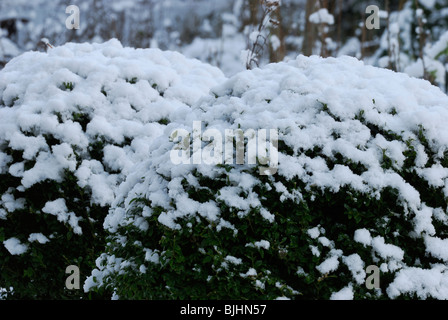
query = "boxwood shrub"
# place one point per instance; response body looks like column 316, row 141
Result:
column 73, row 122
column 360, row 181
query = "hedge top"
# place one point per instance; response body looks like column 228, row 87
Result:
column 93, row 95
column 342, row 126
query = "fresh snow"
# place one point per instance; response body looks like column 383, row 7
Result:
column 39, row 237
column 356, row 267
column 322, row 16
column 250, row 273
column 437, row 247
column 344, row 294
column 363, row 236
column 314, row 232
column 126, row 93
column 14, row 246
column 128, row 111
column 297, row 90
column 262, row 244
column 331, row 263
column 386, row 250
column 424, row 283
column 233, row 260
column 429, row 4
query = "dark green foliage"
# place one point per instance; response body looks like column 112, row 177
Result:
column 191, row 259
column 67, row 86
column 132, row 80
column 39, row 273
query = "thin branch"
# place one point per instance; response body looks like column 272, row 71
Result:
column 421, row 36
column 389, row 51
column 257, row 46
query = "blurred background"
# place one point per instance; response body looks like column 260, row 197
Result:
column 239, row 34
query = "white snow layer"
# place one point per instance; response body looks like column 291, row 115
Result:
column 33, row 86
column 125, row 96
column 321, row 16
column 290, row 97
column 14, row 246
column 344, row 294
column 59, row 209
column 126, row 92
column 39, row 237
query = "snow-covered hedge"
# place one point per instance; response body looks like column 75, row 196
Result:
column 361, row 180
column 73, row 122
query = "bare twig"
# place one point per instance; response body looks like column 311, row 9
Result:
column 363, row 34
column 258, row 45
column 323, row 33
column 422, row 40
column 46, row 42
column 389, row 49
column 340, row 25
